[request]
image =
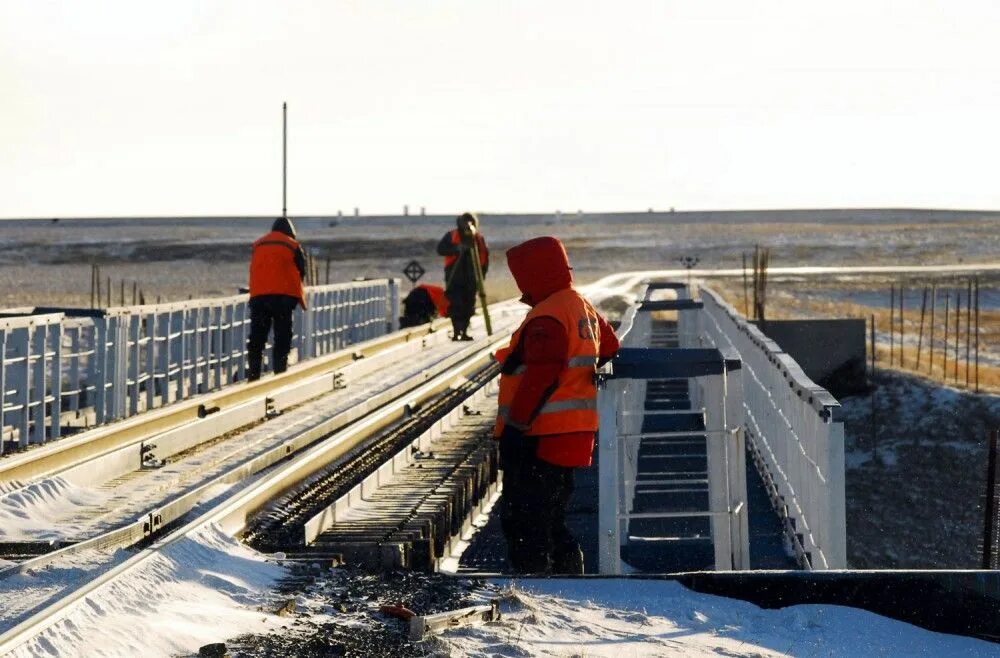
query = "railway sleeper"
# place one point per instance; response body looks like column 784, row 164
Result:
column 20, row 550
column 403, row 534
column 414, row 502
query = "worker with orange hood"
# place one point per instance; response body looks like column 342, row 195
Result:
column 547, row 407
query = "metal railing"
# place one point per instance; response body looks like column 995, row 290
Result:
column 795, row 435
column 83, row 368
column 717, row 393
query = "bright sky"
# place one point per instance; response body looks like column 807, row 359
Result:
column 174, row 108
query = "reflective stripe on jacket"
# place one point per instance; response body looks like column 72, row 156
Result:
column 272, row 267
column 572, row 406
column 456, row 239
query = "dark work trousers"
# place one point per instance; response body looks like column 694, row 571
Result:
column 461, row 308
column 461, row 291
column 266, row 310
column 533, row 512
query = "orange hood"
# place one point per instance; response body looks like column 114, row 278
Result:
column 540, row 267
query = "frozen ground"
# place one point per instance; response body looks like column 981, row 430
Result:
column 914, row 495
column 45, row 263
column 212, row 589
column 339, row 615
column 660, row 618
column 195, row 592
column 864, row 296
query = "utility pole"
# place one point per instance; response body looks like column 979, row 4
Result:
column 284, row 160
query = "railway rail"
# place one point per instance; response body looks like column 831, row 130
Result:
column 376, row 415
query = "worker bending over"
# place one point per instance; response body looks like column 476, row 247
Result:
column 547, row 416
column 277, row 267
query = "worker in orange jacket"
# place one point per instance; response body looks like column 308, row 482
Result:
column 458, row 246
column 277, row 267
column 424, row 303
column 547, row 407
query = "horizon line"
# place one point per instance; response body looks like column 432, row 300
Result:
column 491, row 213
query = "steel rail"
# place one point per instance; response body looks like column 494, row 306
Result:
column 155, row 519
column 231, row 515
column 77, row 450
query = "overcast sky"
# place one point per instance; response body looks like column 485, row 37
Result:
column 174, row 108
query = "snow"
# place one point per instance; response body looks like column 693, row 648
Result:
column 36, row 511
column 608, row 617
column 916, row 505
column 10, row 485
column 196, row 591
column 23, row 593
column 210, row 588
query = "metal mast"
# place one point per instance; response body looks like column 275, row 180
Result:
column 284, row 160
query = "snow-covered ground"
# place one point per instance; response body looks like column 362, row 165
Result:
column 211, row 589
column 661, row 618
column 46, row 263
column 914, row 497
column 192, row 593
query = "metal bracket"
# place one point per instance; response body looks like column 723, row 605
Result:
column 204, row 411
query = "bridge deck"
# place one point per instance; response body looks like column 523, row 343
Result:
column 672, row 477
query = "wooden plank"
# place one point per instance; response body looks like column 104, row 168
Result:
column 422, row 625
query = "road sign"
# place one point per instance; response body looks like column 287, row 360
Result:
column 689, row 261
column 414, row 271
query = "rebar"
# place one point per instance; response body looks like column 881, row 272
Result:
column 944, row 351
column 920, row 334
column 930, row 341
column 892, row 323
column 958, row 332
column 968, row 331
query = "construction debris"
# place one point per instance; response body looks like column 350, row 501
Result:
column 421, row 625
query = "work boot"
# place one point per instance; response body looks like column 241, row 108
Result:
column 568, row 562
column 253, row 366
column 527, row 561
column 465, row 336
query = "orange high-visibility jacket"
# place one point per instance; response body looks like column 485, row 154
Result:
column 456, row 238
column 436, row 293
column 572, row 406
column 272, row 267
